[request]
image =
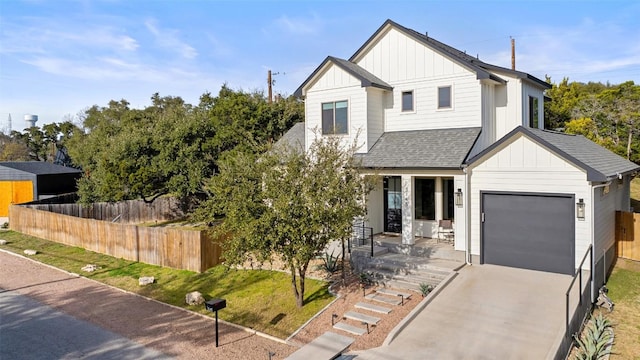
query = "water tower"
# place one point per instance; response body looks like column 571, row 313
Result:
column 30, row 120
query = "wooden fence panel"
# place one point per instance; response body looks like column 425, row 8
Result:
column 628, row 235
column 175, row 248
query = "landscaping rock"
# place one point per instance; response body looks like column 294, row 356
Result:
column 30, row 252
column 3, row 242
column 90, row 268
column 146, row 280
column 194, row 298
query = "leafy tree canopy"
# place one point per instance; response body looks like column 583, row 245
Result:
column 170, row 147
column 286, row 203
column 607, row 114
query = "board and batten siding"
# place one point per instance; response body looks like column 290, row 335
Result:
column 466, row 110
column 337, row 85
column 376, row 101
column 508, row 105
column 525, row 166
column 529, row 90
column 605, row 206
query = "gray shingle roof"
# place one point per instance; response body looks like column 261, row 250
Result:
column 39, row 167
column 599, row 163
column 294, row 138
column 366, row 78
column 421, row 149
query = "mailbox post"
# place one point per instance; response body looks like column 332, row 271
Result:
column 215, row 305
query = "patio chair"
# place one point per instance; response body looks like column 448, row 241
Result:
column 445, row 230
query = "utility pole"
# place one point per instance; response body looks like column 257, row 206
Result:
column 513, row 53
column 270, row 82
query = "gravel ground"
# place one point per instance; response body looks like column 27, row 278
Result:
column 177, row 332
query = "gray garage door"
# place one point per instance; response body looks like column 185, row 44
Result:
column 530, row 231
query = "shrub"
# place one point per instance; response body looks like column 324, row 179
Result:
column 593, row 344
column 425, row 289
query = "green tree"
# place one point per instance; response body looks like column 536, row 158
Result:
column 286, row 203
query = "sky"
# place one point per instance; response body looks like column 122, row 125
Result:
column 60, row 57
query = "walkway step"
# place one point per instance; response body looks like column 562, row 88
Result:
column 383, row 299
column 348, row 328
column 371, row 320
column 372, row 307
column 327, row 346
column 392, row 292
column 377, row 250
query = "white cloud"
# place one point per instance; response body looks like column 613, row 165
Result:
column 299, row 25
column 169, row 39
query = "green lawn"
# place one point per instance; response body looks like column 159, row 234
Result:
column 259, row 299
column 624, row 291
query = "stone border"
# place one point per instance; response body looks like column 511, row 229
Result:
column 407, row 319
column 246, row 329
column 332, row 292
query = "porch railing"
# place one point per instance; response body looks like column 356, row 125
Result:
column 573, row 324
column 362, row 236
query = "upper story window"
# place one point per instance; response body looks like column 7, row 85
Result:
column 407, row 100
column 334, row 117
column 444, row 97
column 533, row 112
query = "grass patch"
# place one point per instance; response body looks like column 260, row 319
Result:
column 258, row 299
column 635, row 194
column 624, row 290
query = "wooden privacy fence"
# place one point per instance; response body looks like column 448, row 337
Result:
column 170, row 247
column 628, row 235
column 125, row 212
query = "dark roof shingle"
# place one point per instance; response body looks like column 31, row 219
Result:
column 39, row 167
column 293, row 138
column 421, row 149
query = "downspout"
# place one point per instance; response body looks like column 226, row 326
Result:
column 593, row 239
column 467, row 216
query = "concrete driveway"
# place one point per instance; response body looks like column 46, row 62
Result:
column 486, row 312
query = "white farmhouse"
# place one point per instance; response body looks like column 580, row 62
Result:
column 455, row 138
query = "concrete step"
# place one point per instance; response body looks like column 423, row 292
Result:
column 377, row 250
column 391, row 292
column 393, row 261
column 372, row 307
column 348, row 328
column 399, row 284
column 416, row 277
column 383, row 299
column 371, row 320
column 326, row 346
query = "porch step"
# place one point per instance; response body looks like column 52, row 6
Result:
column 383, row 299
column 349, row 328
column 372, row 307
column 417, row 277
column 394, row 261
column 391, row 292
column 371, row 320
column 377, row 250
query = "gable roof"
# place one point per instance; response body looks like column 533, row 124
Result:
column 482, row 69
column 421, row 149
column 599, row 163
column 366, row 78
column 293, row 138
column 40, row 167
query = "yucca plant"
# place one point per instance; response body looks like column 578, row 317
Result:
column 595, row 338
column 425, row 289
column 329, row 263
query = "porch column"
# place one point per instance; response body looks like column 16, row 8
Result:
column 407, row 210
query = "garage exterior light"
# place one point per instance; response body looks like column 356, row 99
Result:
column 458, row 195
column 580, row 209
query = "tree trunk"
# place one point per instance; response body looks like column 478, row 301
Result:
column 629, row 142
column 300, row 298
column 294, row 286
column 344, row 276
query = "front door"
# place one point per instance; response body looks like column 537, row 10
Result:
column 393, row 204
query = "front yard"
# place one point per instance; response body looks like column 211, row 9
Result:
column 258, row 299
column 624, row 290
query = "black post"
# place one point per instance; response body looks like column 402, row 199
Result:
column 216, row 328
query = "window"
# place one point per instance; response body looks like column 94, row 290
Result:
column 533, row 112
column 444, row 97
column 425, row 199
column 447, row 199
column 407, row 101
column 334, row 117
